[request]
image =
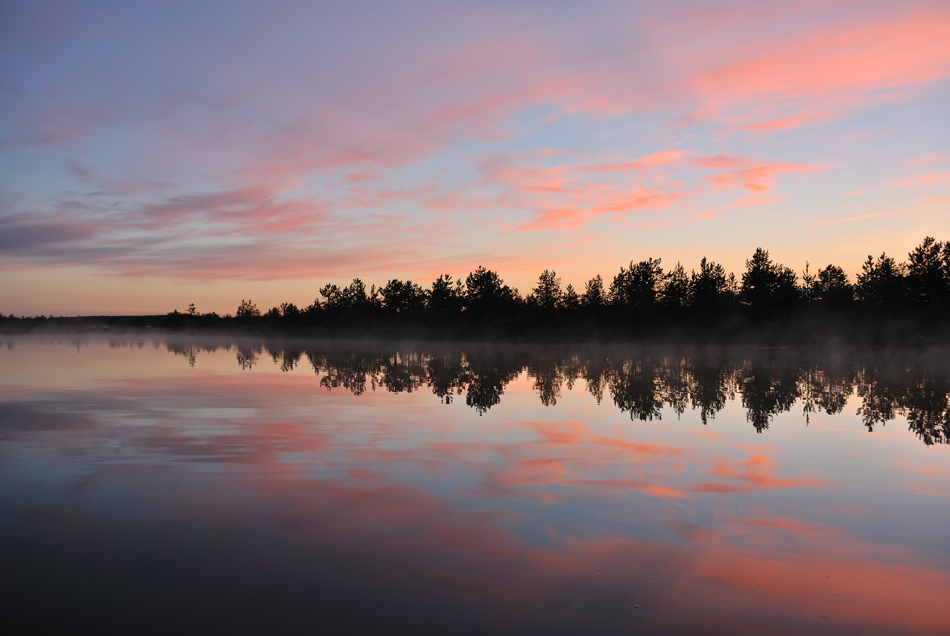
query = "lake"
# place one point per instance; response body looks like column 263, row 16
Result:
column 161, row 483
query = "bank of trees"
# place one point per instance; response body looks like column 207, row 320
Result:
column 641, row 296
column 888, row 297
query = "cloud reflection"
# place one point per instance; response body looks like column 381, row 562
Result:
column 272, row 483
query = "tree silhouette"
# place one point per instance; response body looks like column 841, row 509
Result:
column 445, row 297
column 486, row 295
column 768, row 287
column 634, row 289
column 594, row 295
column 290, row 311
column 247, row 309
column 571, row 299
column 675, row 291
column 547, row 294
column 881, row 283
column 402, row 299
column 833, row 287
column 709, row 289
column 928, row 284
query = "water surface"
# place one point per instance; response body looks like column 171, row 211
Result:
column 156, row 484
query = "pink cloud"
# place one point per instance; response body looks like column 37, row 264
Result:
column 922, row 181
column 566, row 196
column 722, row 161
column 783, row 123
column 849, row 219
column 556, row 219
column 755, row 473
column 833, row 67
column 791, row 525
column 755, row 199
column 926, row 160
column 361, row 177
column 650, row 161
column 760, row 178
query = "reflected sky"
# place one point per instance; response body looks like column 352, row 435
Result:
column 160, row 484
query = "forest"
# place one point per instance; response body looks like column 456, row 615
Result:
column 889, row 299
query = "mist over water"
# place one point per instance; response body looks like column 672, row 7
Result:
column 153, row 483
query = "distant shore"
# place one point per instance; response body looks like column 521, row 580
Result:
column 811, row 330
column 891, row 303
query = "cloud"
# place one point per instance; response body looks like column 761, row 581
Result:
column 755, row 473
column 849, row 219
column 108, row 185
column 760, row 178
column 662, row 158
column 722, row 161
column 783, row 123
column 835, row 66
column 23, row 233
column 926, row 160
column 922, row 181
column 566, row 196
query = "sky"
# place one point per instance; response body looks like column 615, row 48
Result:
column 158, row 154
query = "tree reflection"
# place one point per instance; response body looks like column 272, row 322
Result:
column 768, row 388
column 247, row 356
column 880, row 397
column 487, row 377
column 674, row 383
column 711, row 384
column 288, row 358
column 634, row 388
column 641, row 384
column 447, row 375
column 548, row 378
column 825, row 389
column 402, row 373
column 921, row 395
column 345, row 370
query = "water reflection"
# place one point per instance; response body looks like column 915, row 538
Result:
column 891, row 385
column 301, row 487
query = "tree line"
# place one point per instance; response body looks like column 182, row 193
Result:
column 888, row 296
column 640, row 296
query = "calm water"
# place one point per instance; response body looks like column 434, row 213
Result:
column 162, row 484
